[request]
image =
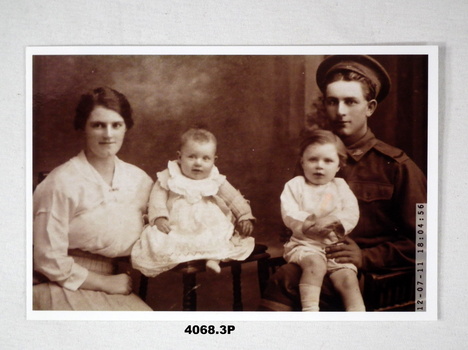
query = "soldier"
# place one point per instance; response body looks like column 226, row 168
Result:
column 386, row 182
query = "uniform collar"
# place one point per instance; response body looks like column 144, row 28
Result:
column 361, row 147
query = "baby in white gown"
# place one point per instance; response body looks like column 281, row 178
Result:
column 194, row 212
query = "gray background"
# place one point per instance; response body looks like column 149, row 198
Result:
column 28, row 23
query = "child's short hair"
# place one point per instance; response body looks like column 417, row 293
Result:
column 198, row 135
column 322, row 137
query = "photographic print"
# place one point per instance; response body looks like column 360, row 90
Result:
column 179, row 183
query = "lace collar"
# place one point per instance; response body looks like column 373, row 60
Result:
column 172, row 179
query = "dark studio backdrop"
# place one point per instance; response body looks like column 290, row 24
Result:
column 255, row 105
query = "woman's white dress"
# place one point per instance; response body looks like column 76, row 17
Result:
column 80, row 224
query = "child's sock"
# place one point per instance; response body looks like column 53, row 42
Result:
column 354, row 301
column 310, row 296
column 356, row 308
column 213, row 265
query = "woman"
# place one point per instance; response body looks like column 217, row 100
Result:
column 88, row 211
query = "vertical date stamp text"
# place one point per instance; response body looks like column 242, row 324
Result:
column 421, row 242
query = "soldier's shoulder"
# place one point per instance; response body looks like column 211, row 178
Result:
column 390, row 151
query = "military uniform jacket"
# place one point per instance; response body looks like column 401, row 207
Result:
column 387, row 184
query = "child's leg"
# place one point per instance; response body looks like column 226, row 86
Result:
column 213, row 265
column 314, row 269
column 346, row 283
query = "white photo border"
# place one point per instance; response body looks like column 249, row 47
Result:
column 432, row 177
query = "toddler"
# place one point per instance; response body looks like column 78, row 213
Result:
column 320, row 209
column 192, row 212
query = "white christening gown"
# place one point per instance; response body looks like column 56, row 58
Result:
column 199, row 228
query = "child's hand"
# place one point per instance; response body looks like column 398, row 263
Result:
column 315, row 232
column 245, row 228
column 317, row 228
column 162, row 224
column 335, row 225
column 308, row 226
column 327, row 222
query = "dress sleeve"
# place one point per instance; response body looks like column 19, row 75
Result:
column 158, row 203
column 52, row 212
column 291, row 211
column 410, row 188
column 235, row 201
column 349, row 213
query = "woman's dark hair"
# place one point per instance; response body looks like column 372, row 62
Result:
column 323, row 137
column 369, row 89
column 104, row 97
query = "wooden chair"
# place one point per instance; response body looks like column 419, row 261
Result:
column 189, row 271
column 392, row 291
column 386, row 291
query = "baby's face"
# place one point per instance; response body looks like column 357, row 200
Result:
column 320, row 163
column 196, row 159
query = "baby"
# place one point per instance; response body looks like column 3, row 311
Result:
column 192, row 212
column 320, row 209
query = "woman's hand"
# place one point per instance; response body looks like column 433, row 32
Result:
column 162, row 224
column 345, row 251
column 118, row 284
column 110, row 284
column 245, row 228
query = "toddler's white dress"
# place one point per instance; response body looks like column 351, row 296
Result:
column 200, row 229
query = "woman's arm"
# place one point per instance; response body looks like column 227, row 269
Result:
column 52, row 209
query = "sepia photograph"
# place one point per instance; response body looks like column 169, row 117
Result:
column 266, row 183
